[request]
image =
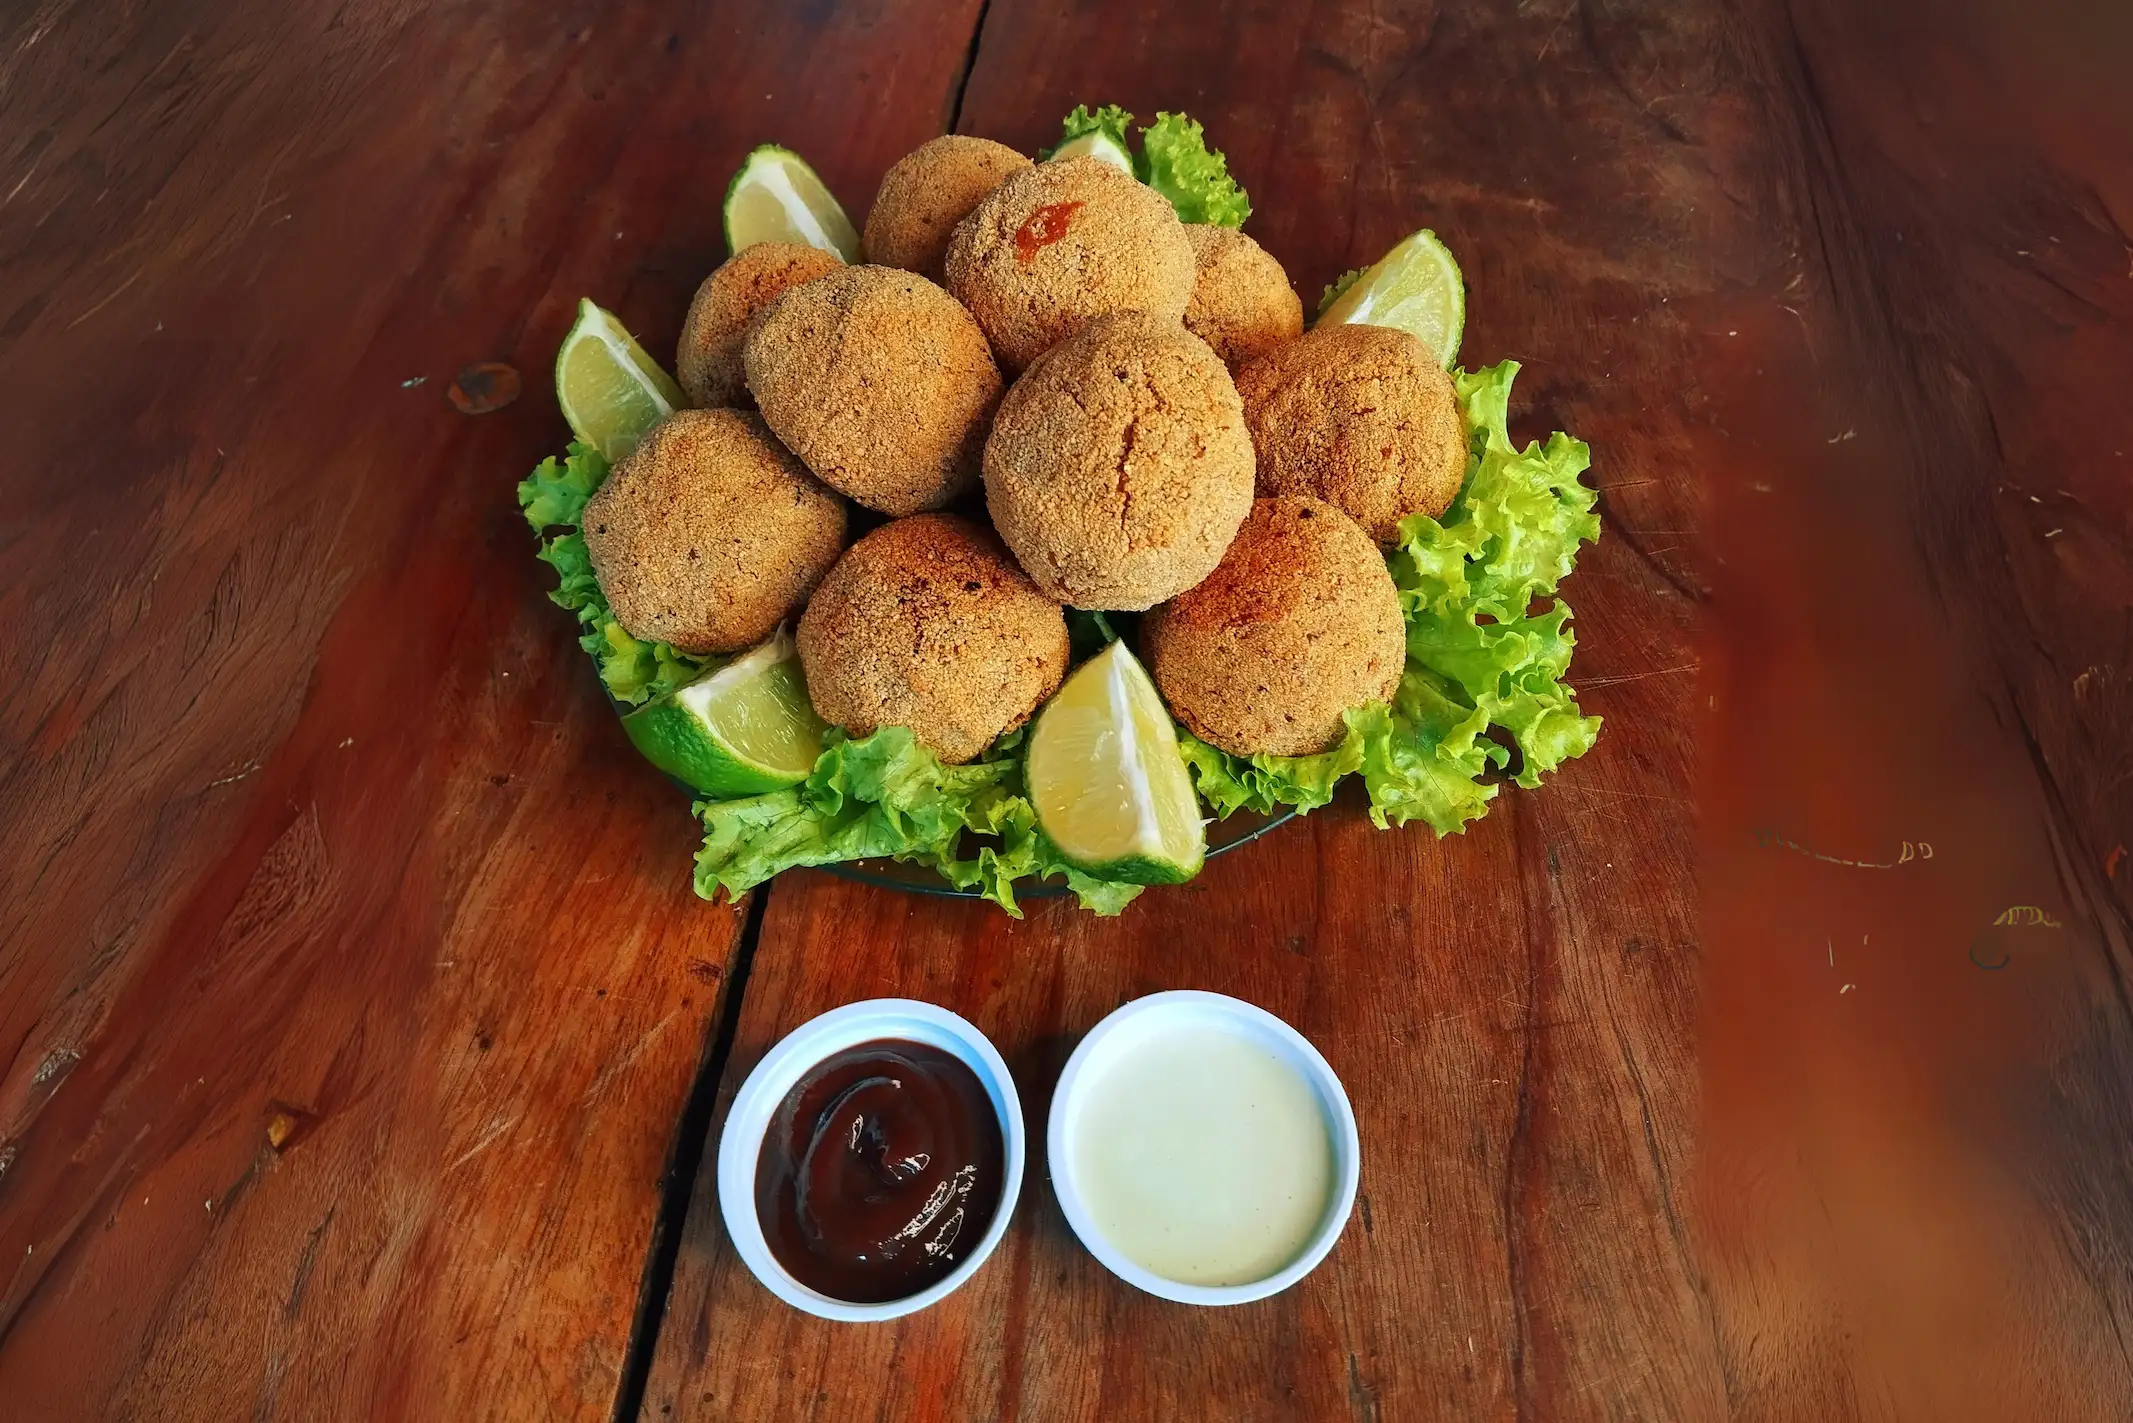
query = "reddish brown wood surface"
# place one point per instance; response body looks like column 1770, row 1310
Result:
column 1843, row 314
column 310, row 810
column 317, row 832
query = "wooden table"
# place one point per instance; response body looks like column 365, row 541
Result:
column 361, row 1045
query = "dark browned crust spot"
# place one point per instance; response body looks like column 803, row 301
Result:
column 1121, row 249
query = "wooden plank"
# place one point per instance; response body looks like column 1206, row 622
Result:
column 350, row 982
column 1686, row 221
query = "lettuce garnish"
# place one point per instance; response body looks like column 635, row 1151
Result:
column 1173, row 158
column 1478, row 655
column 1488, row 646
column 1176, row 161
column 1482, row 694
column 553, row 497
column 885, row 796
column 1338, row 286
column 1111, row 121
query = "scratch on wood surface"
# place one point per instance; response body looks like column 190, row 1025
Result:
column 245, row 770
column 27, row 174
column 115, row 294
column 497, row 1127
column 1585, row 682
column 622, row 1063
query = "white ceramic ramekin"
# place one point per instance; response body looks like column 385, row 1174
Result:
column 1162, row 1013
column 784, row 1065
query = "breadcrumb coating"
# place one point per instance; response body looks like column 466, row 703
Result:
column 1242, row 304
column 1119, row 466
column 1360, row 416
column 710, row 533
column 927, row 623
column 926, row 193
column 707, row 362
column 1059, row 244
column 1299, row 623
column 879, row 382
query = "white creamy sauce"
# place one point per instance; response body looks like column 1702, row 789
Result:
column 1204, row 1157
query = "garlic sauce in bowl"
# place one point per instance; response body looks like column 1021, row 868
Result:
column 1202, row 1149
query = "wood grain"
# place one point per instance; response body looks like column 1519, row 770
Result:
column 350, row 985
column 1662, row 1118
column 350, row 982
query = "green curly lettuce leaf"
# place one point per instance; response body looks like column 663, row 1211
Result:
column 1264, row 783
column 1176, row 161
column 553, row 498
column 1337, row 288
column 1478, row 655
column 1110, row 120
column 1173, row 158
column 555, row 493
column 886, row 797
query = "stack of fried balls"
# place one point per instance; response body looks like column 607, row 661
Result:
column 1059, row 396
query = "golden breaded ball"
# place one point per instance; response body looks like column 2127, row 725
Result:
column 1361, row 416
column 1059, row 244
column 707, row 362
column 1119, row 466
column 879, row 382
column 926, row 623
column 1299, row 623
column 1242, row 303
column 926, row 193
column 709, row 534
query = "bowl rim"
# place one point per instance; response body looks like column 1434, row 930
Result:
column 1198, row 1006
column 748, row 1118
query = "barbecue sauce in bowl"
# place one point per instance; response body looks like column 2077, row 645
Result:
column 880, row 1172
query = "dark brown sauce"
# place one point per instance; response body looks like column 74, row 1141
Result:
column 1045, row 226
column 880, row 1171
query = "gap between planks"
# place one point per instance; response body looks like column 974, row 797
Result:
column 677, row 1188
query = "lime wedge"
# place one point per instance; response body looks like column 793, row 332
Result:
column 776, row 197
column 742, row 730
column 1416, row 287
column 610, row 390
column 1111, row 790
column 1096, row 145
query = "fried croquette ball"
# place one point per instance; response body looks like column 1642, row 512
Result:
column 1299, row 623
column 879, row 382
column 1119, row 466
column 709, row 534
column 926, row 623
column 926, row 193
column 1242, row 303
column 1360, row 416
column 1059, row 244
column 708, row 361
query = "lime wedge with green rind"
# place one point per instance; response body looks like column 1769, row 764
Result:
column 742, row 730
column 1109, row 785
column 1095, row 145
column 1415, row 287
column 776, row 197
column 610, row 390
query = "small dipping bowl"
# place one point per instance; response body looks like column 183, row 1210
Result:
column 1145, row 1023
column 754, row 1105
